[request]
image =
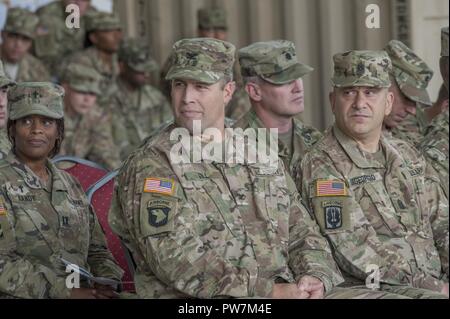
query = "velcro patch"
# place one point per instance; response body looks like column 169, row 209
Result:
column 157, row 216
column 3, row 211
column 364, row 179
column 330, row 188
column 161, row 186
column 332, row 215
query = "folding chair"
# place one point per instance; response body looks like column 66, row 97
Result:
column 86, row 172
column 100, row 196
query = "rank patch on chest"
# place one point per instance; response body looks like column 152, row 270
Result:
column 330, row 188
column 159, row 186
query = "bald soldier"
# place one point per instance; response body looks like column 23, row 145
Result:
column 17, row 40
column 211, row 228
column 5, row 85
column 378, row 202
column 137, row 108
column 103, row 37
column 435, row 144
column 273, row 81
column 88, row 128
column 410, row 76
column 55, row 40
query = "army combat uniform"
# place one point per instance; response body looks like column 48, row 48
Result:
column 89, row 57
column 213, row 229
column 88, row 135
column 54, row 40
column 385, row 209
column 136, row 113
column 40, row 222
column 276, row 62
column 412, row 76
column 29, row 68
column 5, row 145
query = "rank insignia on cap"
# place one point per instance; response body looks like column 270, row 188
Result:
column 159, row 186
column 330, row 188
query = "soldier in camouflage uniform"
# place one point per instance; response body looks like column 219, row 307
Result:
column 375, row 198
column 410, row 76
column 137, row 108
column 5, row 84
column 212, row 23
column 54, row 40
column 88, row 128
column 213, row 229
column 17, row 40
column 104, row 36
column 44, row 213
column 435, row 144
column 273, row 78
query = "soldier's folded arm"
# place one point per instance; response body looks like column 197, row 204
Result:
column 175, row 253
column 363, row 248
column 19, row 277
column 309, row 251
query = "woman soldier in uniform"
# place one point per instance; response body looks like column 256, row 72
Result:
column 45, row 217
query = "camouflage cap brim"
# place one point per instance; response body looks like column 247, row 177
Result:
column 36, row 109
column 359, row 81
column 83, row 88
column 150, row 66
column 4, row 81
column 208, row 77
column 29, row 35
column 286, row 76
column 415, row 94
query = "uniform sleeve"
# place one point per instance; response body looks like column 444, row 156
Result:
column 19, row 277
column 356, row 248
column 438, row 206
column 103, row 150
column 309, row 252
column 100, row 259
column 175, row 253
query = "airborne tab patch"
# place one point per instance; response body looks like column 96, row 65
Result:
column 159, row 186
column 330, row 188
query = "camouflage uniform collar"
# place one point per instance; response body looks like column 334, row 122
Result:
column 353, row 151
column 99, row 66
column 30, row 178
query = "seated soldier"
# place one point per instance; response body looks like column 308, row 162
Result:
column 5, row 85
column 87, row 127
column 376, row 199
column 45, row 217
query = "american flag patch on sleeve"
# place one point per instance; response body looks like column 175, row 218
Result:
column 159, row 186
column 330, row 188
column 2, row 209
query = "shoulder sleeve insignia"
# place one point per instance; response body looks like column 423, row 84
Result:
column 330, row 188
column 159, row 186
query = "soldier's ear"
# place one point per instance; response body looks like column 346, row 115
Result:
column 254, row 91
column 93, row 38
column 389, row 102
column 332, row 98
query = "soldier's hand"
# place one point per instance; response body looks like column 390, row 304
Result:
column 445, row 289
column 288, row 291
column 311, row 285
column 105, row 292
column 82, row 293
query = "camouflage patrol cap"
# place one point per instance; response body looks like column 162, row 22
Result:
column 274, row 61
column 35, row 98
column 201, row 59
column 4, row 80
column 362, row 68
column 411, row 73
column 136, row 55
column 215, row 18
column 82, row 78
column 21, row 21
column 102, row 21
column 444, row 41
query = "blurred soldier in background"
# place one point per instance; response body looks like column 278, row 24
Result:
column 55, row 40
column 17, row 40
column 410, row 76
column 103, row 37
column 87, row 127
column 137, row 108
column 5, row 84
